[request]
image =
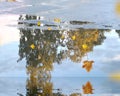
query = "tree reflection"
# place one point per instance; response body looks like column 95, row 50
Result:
column 40, row 86
column 85, row 40
column 44, row 45
column 39, row 47
column 37, row 86
column 76, row 94
column 118, row 31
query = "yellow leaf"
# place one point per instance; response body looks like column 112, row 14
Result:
column 38, row 23
column 73, row 37
column 84, row 46
column 49, row 28
column 117, row 8
column 115, row 76
column 57, row 20
column 62, row 37
column 87, row 88
column 87, row 65
column 32, row 46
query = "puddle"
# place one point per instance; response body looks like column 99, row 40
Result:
column 65, row 48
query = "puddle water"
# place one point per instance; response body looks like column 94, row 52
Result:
column 51, row 48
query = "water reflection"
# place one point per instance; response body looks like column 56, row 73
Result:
column 44, row 45
column 37, row 86
column 45, row 42
column 118, row 31
column 87, row 88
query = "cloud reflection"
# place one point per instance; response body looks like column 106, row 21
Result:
column 8, row 34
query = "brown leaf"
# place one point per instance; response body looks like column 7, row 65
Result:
column 87, row 88
column 87, row 65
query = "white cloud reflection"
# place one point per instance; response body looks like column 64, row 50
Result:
column 8, row 34
column 115, row 58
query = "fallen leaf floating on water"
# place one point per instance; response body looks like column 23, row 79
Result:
column 38, row 23
column 87, row 88
column 32, row 46
column 87, row 65
column 57, row 20
column 73, row 37
column 49, row 28
column 84, row 46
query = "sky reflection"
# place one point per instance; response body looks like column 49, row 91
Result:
column 59, row 39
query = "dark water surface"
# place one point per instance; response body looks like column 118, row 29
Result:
column 65, row 48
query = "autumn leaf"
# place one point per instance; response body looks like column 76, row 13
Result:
column 57, row 20
column 87, row 65
column 87, row 88
column 32, row 46
column 49, row 28
column 73, row 37
column 38, row 23
column 84, row 46
column 117, row 8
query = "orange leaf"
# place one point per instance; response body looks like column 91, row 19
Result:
column 87, row 88
column 87, row 65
